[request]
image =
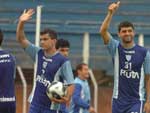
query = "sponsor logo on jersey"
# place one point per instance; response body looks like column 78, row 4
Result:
column 129, row 74
column 7, row 99
column 128, row 57
column 5, row 60
column 5, row 56
column 129, row 52
column 42, row 80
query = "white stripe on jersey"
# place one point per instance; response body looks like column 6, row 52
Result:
column 141, row 108
column 116, row 74
column 34, row 80
column 141, row 85
column 57, row 75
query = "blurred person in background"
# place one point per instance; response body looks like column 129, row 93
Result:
column 7, row 76
column 51, row 66
column 131, row 67
column 81, row 98
column 63, row 46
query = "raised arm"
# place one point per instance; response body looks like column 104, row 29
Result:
column 105, row 25
column 21, row 38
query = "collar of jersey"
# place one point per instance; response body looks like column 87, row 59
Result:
column 52, row 54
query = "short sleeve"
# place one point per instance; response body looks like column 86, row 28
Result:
column 67, row 72
column 32, row 50
column 147, row 63
column 112, row 45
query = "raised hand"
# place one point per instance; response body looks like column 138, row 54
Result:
column 26, row 15
column 113, row 7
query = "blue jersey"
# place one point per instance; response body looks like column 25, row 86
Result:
column 130, row 67
column 49, row 68
column 7, row 75
column 80, row 102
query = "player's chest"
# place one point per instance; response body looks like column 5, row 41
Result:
column 48, row 66
column 130, row 59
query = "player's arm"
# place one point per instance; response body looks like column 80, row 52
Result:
column 147, row 79
column 21, row 38
column 147, row 82
column 66, row 99
column 76, row 98
column 106, row 23
column 68, row 76
column 70, row 91
column 147, row 103
column 66, row 73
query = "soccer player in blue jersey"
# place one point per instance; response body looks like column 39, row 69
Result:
column 131, row 67
column 81, row 99
column 51, row 66
column 7, row 76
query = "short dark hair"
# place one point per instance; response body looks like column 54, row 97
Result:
column 79, row 67
column 1, row 36
column 51, row 33
column 125, row 24
column 62, row 43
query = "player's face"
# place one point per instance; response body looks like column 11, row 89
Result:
column 46, row 42
column 126, row 34
column 64, row 51
column 85, row 71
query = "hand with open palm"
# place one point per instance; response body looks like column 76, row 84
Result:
column 26, row 15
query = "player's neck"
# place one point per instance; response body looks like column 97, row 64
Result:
column 50, row 52
column 81, row 77
column 128, row 45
